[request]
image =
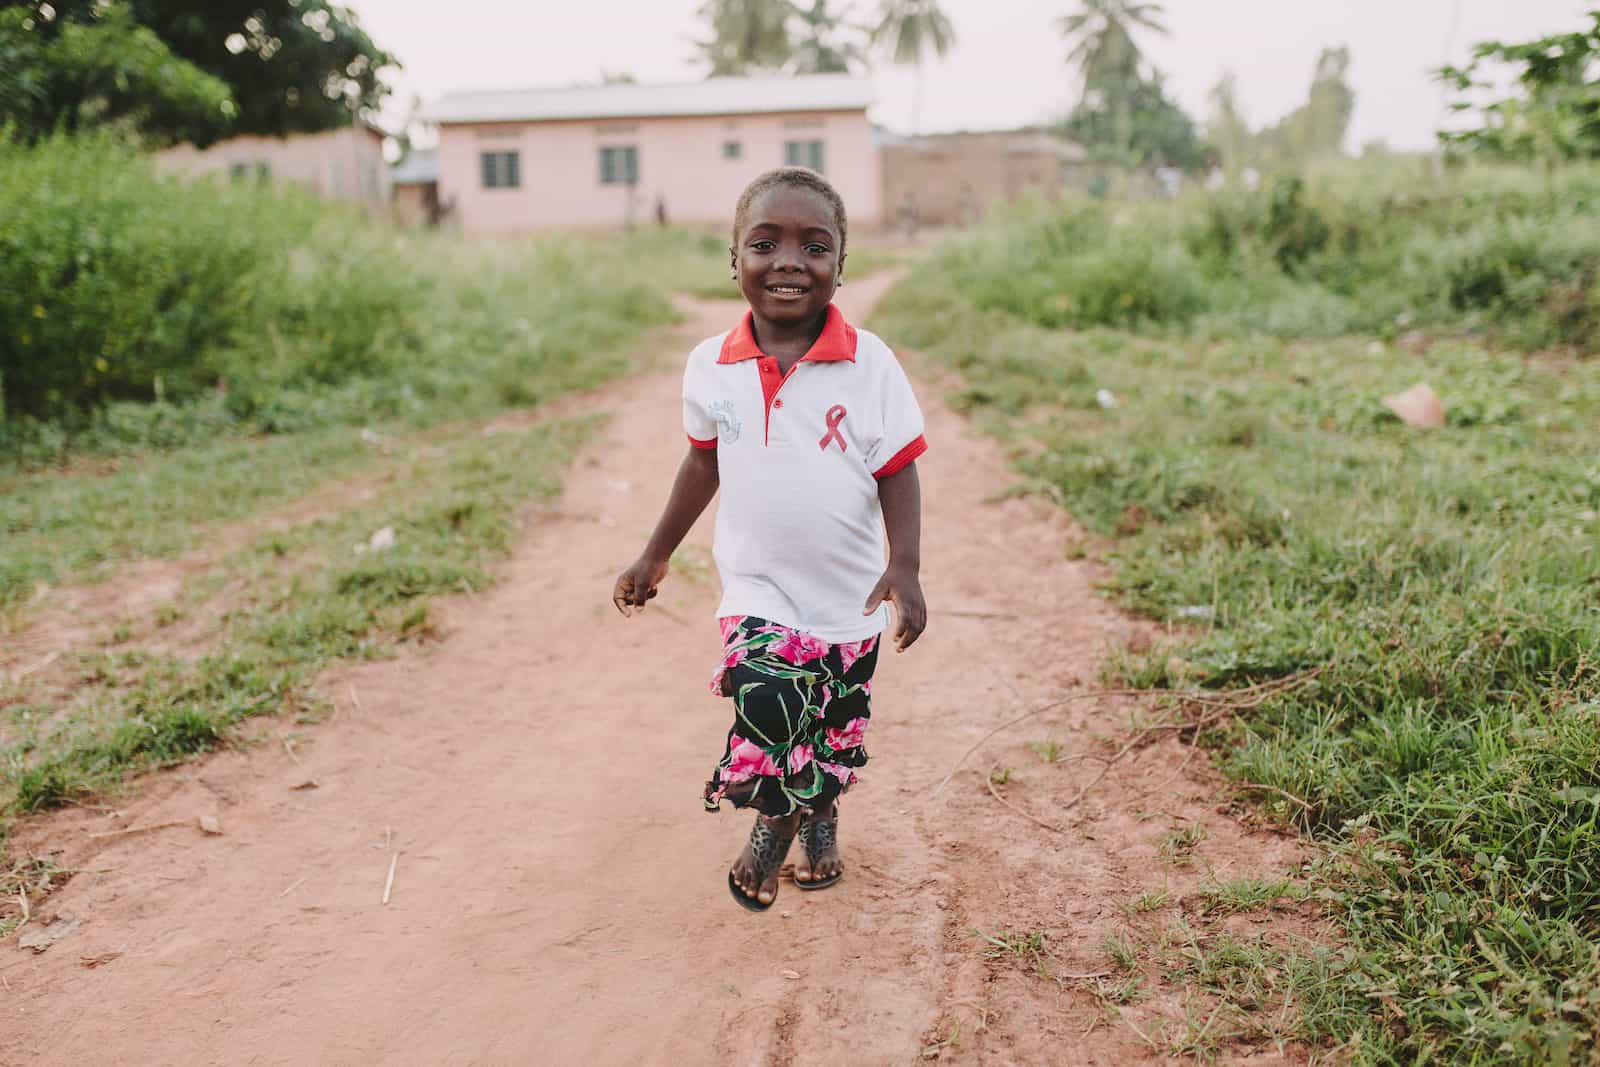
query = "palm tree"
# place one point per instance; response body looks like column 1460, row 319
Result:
column 911, row 29
column 1105, row 53
column 822, row 47
column 746, row 34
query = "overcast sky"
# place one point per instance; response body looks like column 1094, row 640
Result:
column 1007, row 67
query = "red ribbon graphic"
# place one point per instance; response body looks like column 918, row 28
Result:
column 835, row 417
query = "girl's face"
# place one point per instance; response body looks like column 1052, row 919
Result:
column 789, row 257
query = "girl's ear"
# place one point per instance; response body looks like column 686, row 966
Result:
column 839, row 274
column 733, row 263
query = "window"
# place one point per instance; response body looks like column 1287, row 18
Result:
column 619, row 165
column 501, row 170
column 239, row 172
column 732, row 149
column 803, row 154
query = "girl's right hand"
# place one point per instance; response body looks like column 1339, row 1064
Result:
column 637, row 585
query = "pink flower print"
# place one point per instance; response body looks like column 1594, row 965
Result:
column 729, row 623
column 747, row 760
column 799, row 756
column 734, row 657
column 852, row 736
column 844, row 774
column 797, row 647
column 851, row 651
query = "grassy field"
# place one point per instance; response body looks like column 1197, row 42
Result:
column 1235, row 464
column 307, row 348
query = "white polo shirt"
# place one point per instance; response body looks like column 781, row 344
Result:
column 799, row 537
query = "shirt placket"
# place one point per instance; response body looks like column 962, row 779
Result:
column 772, row 383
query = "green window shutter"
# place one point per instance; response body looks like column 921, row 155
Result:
column 513, row 170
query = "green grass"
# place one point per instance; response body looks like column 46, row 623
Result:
column 1512, row 256
column 1252, row 490
column 319, row 349
column 1249, row 894
column 297, row 602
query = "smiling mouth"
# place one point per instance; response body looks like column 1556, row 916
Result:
column 787, row 290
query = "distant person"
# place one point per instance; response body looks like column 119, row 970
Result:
column 908, row 216
column 661, row 209
column 809, row 428
column 967, row 206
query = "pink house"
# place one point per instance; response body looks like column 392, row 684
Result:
column 611, row 155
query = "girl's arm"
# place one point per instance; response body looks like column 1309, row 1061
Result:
column 900, row 495
column 693, row 489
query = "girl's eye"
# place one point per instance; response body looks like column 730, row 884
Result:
column 762, row 246
column 817, row 250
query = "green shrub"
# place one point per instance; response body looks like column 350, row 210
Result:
column 1478, row 253
column 140, row 312
column 117, row 284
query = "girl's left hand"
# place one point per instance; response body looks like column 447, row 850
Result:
column 902, row 587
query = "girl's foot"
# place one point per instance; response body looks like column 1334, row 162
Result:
column 754, row 875
column 819, row 864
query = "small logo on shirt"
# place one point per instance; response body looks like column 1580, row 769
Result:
column 835, row 416
column 727, row 420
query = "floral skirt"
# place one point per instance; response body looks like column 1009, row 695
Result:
column 801, row 708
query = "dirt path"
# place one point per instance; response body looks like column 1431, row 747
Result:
column 559, row 897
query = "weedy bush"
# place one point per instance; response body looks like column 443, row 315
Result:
column 117, row 284
column 142, row 311
column 1446, row 584
column 1515, row 260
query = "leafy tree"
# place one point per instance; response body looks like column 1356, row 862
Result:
column 910, row 29
column 746, row 36
column 291, row 65
column 1554, row 114
column 1226, row 127
column 1314, row 130
column 826, row 43
column 1318, row 127
column 1146, row 128
column 105, row 71
column 1107, row 56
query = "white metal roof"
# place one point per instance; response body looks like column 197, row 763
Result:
column 714, row 96
column 418, row 168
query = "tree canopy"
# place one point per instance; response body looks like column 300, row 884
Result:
column 816, row 36
column 1125, row 114
column 747, row 36
column 911, row 29
column 1553, row 114
column 1316, row 129
column 282, row 66
column 108, row 71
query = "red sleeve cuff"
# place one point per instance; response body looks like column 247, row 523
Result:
column 712, row 443
column 903, row 458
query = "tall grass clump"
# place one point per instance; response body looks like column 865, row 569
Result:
column 116, row 284
column 1254, row 491
column 1515, row 260
column 137, row 310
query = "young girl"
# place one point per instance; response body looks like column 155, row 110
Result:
column 811, row 430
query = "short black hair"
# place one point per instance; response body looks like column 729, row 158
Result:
column 799, row 178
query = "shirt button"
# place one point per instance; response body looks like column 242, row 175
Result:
column 778, row 403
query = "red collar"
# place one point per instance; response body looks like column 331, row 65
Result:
column 836, row 342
